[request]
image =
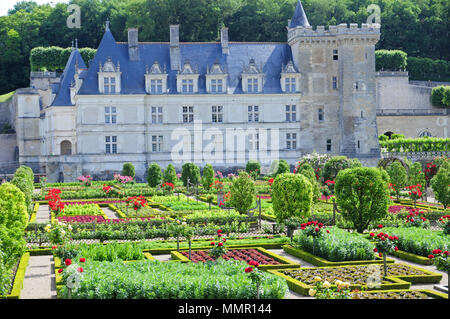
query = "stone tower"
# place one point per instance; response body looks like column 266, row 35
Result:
column 338, row 80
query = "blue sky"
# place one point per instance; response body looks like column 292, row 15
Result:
column 6, row 5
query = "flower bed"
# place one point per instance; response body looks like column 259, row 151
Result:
column 101, row 219
column 171, row 280
column 236, row 254
column 399, row 294
column 181, row 203
column 400, row 276
column 81, row 210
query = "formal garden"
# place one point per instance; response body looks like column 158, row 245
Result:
column 328, row 228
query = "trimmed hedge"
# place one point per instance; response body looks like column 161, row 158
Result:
column 440, row 96
column 55, row 58
column 19, row 278
column 392, row 60
column 425, row 144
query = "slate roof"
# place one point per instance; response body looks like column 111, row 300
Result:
column 299, row 19
column 63, row 89
column 270, row 56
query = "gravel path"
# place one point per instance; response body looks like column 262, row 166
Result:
column 43, row 214
column 110, row 213
column 39, row 280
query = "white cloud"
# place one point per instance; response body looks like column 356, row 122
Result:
column 9, row 4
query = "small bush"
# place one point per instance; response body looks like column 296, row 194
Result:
column 243, row 192
column 128, row 170
column 154, row 175
column 170, row 174
column 192, row 172
column 440, row 184
column 440, row 96
column 208, row 176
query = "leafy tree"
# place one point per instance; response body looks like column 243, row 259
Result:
column 154, row 175
column 192, row 172
column 128, row 170
column 292, row 196
column 384, row 175
column 307, row 171
column 397, row 173
column 441, row 184
column 242, row 192
column 253, row 168
column 416, row 175
column 362, row 195
column 23, row 179
column 170, row 174
column 208, row 176
column 279, row 167
column 336, row 164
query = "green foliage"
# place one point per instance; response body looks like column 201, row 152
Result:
column 154, row 175
column 390, row 60
column 428, row 69
column 192, row 172
column 243, row 193
column 128, row 170
column 170, row 174
column 416, row 175
column 253, row 168
column 208, row 176
column 440, row 184
column 279, row 167
column 81, row 210
column 440, row 96
column 100, row 252
column 13, row 220
column 27, row 189
column 291, row 196
column 419, row 241
column 337, row 245
column 397, row 173
column 307, row 171
column 425, row 144
column 383, row 138
column 55, row 58
column 336, row 164
column 384, row 175
column 172, row 280
column 362, row 196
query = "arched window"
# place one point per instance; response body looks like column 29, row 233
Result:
column 389, row 134
column 425, row 133
column 66, row 148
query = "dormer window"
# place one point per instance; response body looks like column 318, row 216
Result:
column 156, row 79
column 216, row 79
column 290, row 79
column 187, row 79
column 252, row 78
column 109, row 76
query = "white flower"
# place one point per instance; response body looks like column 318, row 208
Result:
column 63, row 232
column 69, row 227
column 326, row 284
column 312, row 292
column 317, row 278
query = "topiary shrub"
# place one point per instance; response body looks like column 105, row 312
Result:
column 192, row 172
column 13, row 220
column 397, row 173
column 292, row 196
column 154, row 175
column 253, row 168
column 208, row 176
column 170, row 174
column 440, row 184
column 26, row 187
column 128, row 170
column 362, row 195
column 242, row 192
column 336, row 164
column 392, row 60
column 279, row 167
column 440, row 96
column 307, row 171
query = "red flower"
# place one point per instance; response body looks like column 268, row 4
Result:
column 372, row 234
column 396, row 248
column 54, row 247
column 60, row 270
column 253, row 263
column 380, row 254
column 248, row 269
column 380, row 226
column 213, row 243
column 219, row 230
column 446, row 252
column 219, row 235
column 82, row 260
column 80, row 269
column 220, row 244
column 224, row 239
column 328, row 231
column 375, row 250
column 431, row 256
column 68, row 262
column 316, row 230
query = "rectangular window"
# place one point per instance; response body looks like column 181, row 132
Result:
column 290, row 85
column 157, row 114
column 188, row 86
column 321, row 114
column 109, row 85
column 216, row 86
column 157, row 143
column 156, row 86
column 253, row 142
column 252, row 85
column 188, row 114
column 335, row 55
column 291, row 141
column 328, row 145
column 217, row 114
column 111, row 144
column 110, row 115
column 335, row 86
column 253, row 113
column 291, row 113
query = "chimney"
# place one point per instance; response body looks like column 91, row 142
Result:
column 224, row 40
column 175, row 56
column 133, row 47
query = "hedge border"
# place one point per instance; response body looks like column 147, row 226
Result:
column 34, row 213
column 19, row 277
column 322, row 262
column 286, row 262
column 147, row 255
column 412, row 257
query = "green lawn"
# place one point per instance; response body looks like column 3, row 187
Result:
column 6, row 97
